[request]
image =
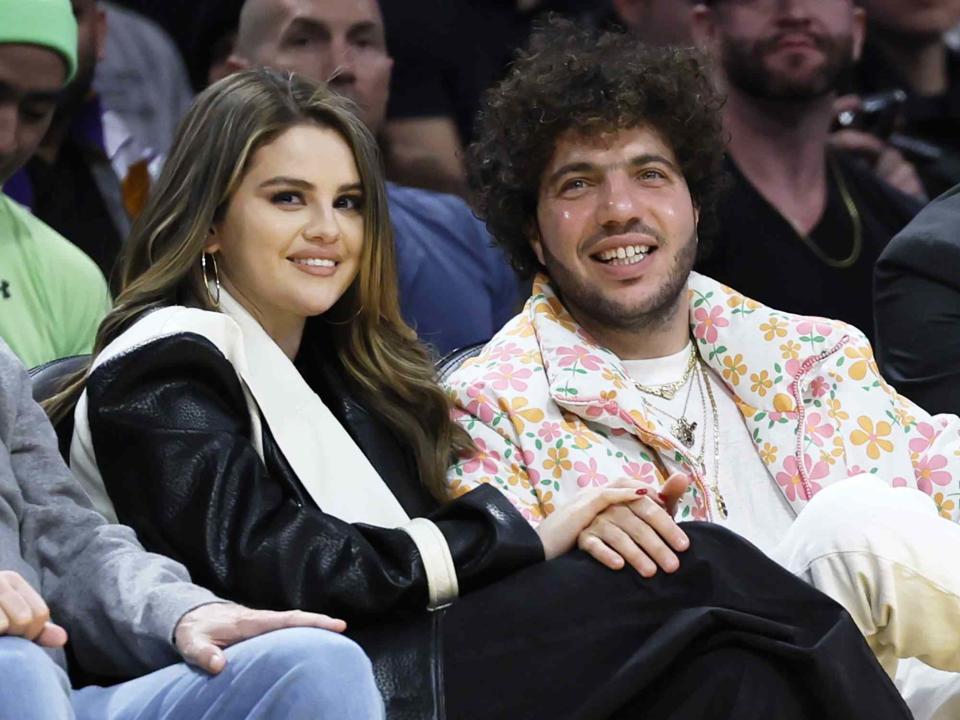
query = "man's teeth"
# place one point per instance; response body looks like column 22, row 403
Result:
column 628, row 255
column 315, row 262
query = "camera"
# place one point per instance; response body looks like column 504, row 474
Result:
column 877, row 115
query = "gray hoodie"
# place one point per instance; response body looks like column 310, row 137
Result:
column 119, row 603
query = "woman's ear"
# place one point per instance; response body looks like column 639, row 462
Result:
column 212, row 244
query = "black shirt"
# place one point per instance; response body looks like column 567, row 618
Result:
column 933, row 120
column 446, row 53
column 757, row 251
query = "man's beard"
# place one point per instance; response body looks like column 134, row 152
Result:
column 746, row 70
column 586, row 302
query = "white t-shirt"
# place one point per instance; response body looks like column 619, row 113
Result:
column 756, row 507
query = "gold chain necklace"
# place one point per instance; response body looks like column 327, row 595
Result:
column 855, row 220
column 715, row 485
column 668, row 390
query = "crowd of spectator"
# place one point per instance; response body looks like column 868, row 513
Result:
column 461, row 319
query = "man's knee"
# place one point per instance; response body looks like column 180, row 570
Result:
column 323, row 668
column 19, row 657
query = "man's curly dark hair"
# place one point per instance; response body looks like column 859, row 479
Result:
column 571, row 79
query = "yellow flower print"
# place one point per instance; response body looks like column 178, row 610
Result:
column 557, row 461
column 783, row 403
column 456, row 488
column 613, row 378
column 546, row 503
column 790, row 350
column 522, row 330
column 944, row 507
column 518, row 411
column 761, row 383
column 872, row 436
column 737, row 300
column 582, row 437
column 773, row 328
column 768, row 454
column 518, row 476
column 834, row 411
column 862, row 361
column 733, row 368
column 904, row 416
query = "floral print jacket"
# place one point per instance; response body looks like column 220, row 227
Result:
column 552, row 412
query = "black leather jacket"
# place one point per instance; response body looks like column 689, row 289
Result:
column 171, row 434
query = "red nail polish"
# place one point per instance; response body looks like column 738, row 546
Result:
column 661, row 496
column 641, row 491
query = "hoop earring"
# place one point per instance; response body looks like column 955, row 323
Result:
column 215, row 301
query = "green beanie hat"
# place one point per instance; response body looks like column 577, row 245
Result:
column 48, row 23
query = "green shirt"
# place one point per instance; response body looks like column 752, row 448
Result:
column 52, row 296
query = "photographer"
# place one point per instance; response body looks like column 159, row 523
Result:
column 906, row 49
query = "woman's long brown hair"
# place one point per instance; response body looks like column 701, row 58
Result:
column 160, row 265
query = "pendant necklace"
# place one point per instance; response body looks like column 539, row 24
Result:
column 682, row 429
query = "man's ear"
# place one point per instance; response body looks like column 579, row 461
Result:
column 703, row 26
column 631, row 12
column 235, row 63
column 536, row 241
column 859, row 31
column 103, row 27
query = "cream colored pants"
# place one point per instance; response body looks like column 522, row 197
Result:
column 888, row 557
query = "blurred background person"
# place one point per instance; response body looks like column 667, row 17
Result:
column 802, row 225
column 907, row 49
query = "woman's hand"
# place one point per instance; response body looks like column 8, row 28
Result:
column 560, row 530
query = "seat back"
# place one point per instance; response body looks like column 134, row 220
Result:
column 48, row 379
column 449, row 363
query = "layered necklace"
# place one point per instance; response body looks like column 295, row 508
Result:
column 684, row 428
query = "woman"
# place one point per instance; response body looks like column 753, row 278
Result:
column 258, row 410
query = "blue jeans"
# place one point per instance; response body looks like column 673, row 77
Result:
column 288, row 674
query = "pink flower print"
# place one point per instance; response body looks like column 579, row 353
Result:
column 578, row 354
column 589, row 474
column 855, row 470
column 816, row 429
column 506, row 378
column 504, row 353
column 818, row 386
column 815, row 471
column 644, row 472
column 792, row 367
column 708, row 322
column 607, row 405
column 899, row 482
column 479, row 404
column 549, row 431
column 812, row 326
column 483, row 458
column 929, row 471
column 791, row 481
column 927, row 435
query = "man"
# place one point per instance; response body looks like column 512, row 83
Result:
column 456, row 289
column 656, row 22
column 142, row 78
column 128, row 611
column 803, row 226
column 596, row 177
column 52, row 296
column 917, row 296
column 88, row 176
column 907, row 49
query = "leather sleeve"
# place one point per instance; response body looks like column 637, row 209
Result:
column 171, row 434
column 917, row 308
